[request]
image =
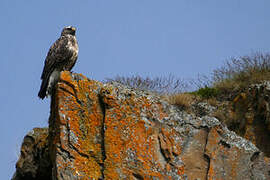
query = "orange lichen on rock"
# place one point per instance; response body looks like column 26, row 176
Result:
column 79, row 123
column 136, row 142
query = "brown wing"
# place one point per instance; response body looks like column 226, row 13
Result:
column 57, row 56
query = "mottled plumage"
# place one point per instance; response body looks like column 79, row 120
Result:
column 61, row 56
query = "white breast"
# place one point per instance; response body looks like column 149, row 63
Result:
column 73, row 48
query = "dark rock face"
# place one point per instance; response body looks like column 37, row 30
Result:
column 251, row 110
column 109, row 131
column 34, row 162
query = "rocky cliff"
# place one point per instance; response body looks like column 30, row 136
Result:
column 109, row 131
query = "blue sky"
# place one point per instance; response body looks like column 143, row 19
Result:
column 120, row 37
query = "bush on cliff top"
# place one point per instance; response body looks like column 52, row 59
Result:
column 164, row 85
column 206, row 92
column 239, row 73
column 234, row 75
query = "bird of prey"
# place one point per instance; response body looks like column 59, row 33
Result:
column 62, row 56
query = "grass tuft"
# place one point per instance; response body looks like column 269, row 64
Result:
column 182, row 100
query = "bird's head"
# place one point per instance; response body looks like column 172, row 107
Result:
column 68, row 30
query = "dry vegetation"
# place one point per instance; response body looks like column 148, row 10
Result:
column 235, row 75
column 182, row 100
column 239, row 73
column 162, row 85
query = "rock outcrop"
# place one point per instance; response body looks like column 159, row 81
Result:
column 109, row 131
column 34, row 161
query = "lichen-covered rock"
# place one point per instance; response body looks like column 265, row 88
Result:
column 203, row 109
column 76, row 129
column 109, row 131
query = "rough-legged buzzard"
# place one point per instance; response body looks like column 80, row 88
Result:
column 61, row 56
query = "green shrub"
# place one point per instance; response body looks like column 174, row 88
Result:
column 207, row 92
